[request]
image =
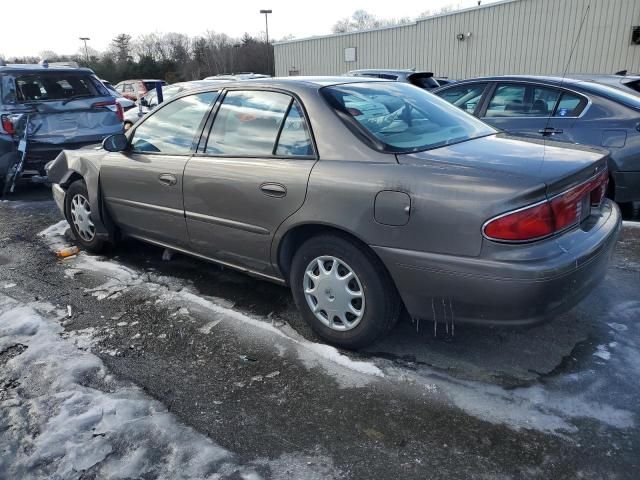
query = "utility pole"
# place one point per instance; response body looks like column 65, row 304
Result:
column 266, row 26
column 86, row 50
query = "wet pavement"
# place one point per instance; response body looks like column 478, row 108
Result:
column 230, row 357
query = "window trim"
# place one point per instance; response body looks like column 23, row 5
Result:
column 208, row 127
column 196, row 136
column 494, row 85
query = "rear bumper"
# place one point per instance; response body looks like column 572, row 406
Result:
column 525, row 285
column 627, row 186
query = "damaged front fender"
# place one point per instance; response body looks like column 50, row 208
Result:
column 72, row 165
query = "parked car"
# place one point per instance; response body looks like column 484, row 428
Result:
column 64, row 106
column 565, row 110
column 131, row 89
column 360, row 207
column 237, row 76
column 629, row 83
column 125, row 103
column 150, row 101
column 419, row 79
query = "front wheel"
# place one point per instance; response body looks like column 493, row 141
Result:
column 343, row 291
column 78, row 213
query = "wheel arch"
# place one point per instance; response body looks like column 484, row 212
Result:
column 295, row 236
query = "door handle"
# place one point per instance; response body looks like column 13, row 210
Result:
column 167, row 179
column 273, row 189
column 549, row 131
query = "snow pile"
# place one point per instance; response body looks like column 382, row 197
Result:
column 61, row 414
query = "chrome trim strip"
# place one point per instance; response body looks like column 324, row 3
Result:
column 271, row 278
column 225, row 222
column 145, row 206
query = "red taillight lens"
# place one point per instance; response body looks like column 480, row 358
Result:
column 111, row 105
column 528, row 223
column 119, row 112
column 549, row 217
column 7, row 124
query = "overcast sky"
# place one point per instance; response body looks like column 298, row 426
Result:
column 47, row 25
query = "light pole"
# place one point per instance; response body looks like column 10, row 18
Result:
column 266, row 26
column 86, row 50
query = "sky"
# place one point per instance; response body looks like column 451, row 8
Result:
column 58, row 29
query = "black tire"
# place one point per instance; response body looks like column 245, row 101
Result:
column 95, row 244
column 382, row 303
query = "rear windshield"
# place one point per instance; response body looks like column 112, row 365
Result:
column 402, row 118
column 56, row 86
column 626, row 98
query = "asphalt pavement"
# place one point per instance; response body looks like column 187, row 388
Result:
column 229, row 356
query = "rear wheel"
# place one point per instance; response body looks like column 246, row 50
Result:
column 78, row 212
column 343, row 291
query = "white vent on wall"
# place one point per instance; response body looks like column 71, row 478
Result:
column 350, row 54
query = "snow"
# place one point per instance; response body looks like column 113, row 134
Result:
column 629, row 224
column 64, row 416
column 59, row 425
column 602, row 352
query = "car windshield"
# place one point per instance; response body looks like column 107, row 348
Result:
column 404, row 118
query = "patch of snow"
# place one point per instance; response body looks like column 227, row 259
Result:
column 602, row 352
column 8, row 285
column 67, row 417
column 206, row 329
column 618, row 327
column 630, row 224
column 54, row 235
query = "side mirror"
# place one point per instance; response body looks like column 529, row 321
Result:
column 115, row 143
column 143, row 102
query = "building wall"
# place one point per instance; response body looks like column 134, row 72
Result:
column 509, row 37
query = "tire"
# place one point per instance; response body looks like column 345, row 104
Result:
column 372, row 292
column 77, row 205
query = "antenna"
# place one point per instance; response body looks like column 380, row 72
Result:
column 564, row 74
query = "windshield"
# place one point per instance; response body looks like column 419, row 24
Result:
column 404, row 118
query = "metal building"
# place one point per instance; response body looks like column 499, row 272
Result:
column 506, row 37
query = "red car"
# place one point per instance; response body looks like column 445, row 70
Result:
column 132, row 89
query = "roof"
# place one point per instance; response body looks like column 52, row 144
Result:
column 31, row 68
column 444, row 14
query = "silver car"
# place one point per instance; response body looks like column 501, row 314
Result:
column 367, row 197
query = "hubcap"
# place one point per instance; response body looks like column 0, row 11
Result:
column 81, row 217
column 334, row 293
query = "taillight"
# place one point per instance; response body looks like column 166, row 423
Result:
column 111, row 105
column 7, row 124
column 548, row 217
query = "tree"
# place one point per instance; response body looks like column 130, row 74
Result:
column 363, row 20
column 122, row 48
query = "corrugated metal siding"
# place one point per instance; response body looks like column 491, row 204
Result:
column 512, row 37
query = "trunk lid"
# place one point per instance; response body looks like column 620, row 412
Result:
column 559, row 166
column 62, row 106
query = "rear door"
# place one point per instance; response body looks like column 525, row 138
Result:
column 142, row 186
column 249, row 176
column 531, row 110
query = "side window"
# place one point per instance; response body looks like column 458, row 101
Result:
column 507, row 101
column 248, row 123
column 570, row 105
column 295, row 139
column 522, row 101
column 128, row 87
column 172, row 128
column 466, row 97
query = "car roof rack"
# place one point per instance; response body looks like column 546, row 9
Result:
column 67, row 64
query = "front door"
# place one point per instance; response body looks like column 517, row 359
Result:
column 142, row 186
column 248, row 178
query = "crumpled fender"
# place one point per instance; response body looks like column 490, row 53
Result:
column 85, row 163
